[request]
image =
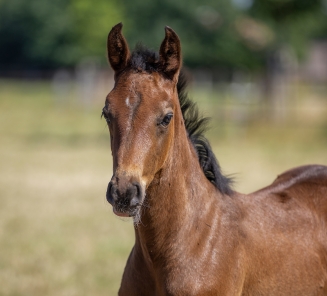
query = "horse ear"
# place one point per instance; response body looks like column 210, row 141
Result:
column 170, row 54
column 117, row 48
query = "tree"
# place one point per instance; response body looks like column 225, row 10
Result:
column 294, row 22
column 224, row 34
column 208, row 36
column 231, row 34
column 47, row 34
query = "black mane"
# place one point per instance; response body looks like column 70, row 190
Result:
column 196, row 125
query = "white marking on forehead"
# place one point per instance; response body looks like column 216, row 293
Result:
column 132, row 104
column 130, row 115
column 127, row 102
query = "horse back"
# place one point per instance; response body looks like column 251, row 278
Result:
column 306, row 186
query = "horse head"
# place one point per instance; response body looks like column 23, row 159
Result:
column 141, row 111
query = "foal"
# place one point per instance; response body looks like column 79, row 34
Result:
column 194, row 235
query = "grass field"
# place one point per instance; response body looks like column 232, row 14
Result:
column 58, row 235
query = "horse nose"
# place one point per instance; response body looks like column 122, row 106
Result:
column 129, row 195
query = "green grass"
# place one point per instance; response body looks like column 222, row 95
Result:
column 58, row 235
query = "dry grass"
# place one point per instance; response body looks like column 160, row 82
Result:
column 58, row 235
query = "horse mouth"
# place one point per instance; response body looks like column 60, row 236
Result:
column 125, row 212
column 121, row 208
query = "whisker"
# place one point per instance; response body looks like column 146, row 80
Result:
column 138, row 217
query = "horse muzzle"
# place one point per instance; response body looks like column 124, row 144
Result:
column 126, row 197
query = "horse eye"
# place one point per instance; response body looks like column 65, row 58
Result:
column 103, row 114
column 165, row 121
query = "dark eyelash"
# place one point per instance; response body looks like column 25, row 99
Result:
column 104, row 115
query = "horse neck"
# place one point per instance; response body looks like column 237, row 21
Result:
column 177, row 199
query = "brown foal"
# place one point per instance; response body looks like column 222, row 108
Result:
column 194, row 235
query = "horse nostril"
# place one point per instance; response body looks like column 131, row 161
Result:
column 137, row 194
column 138, row 190
column 111, row 193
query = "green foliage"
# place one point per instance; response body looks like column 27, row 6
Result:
column 206, row 29
column 295, row 22
column 219, row 34
column 47, row 34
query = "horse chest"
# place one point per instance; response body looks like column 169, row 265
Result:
column 183, row 276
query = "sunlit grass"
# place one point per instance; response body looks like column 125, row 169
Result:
column 58, row 235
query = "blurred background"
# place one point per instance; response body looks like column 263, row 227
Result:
column 257, row 67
